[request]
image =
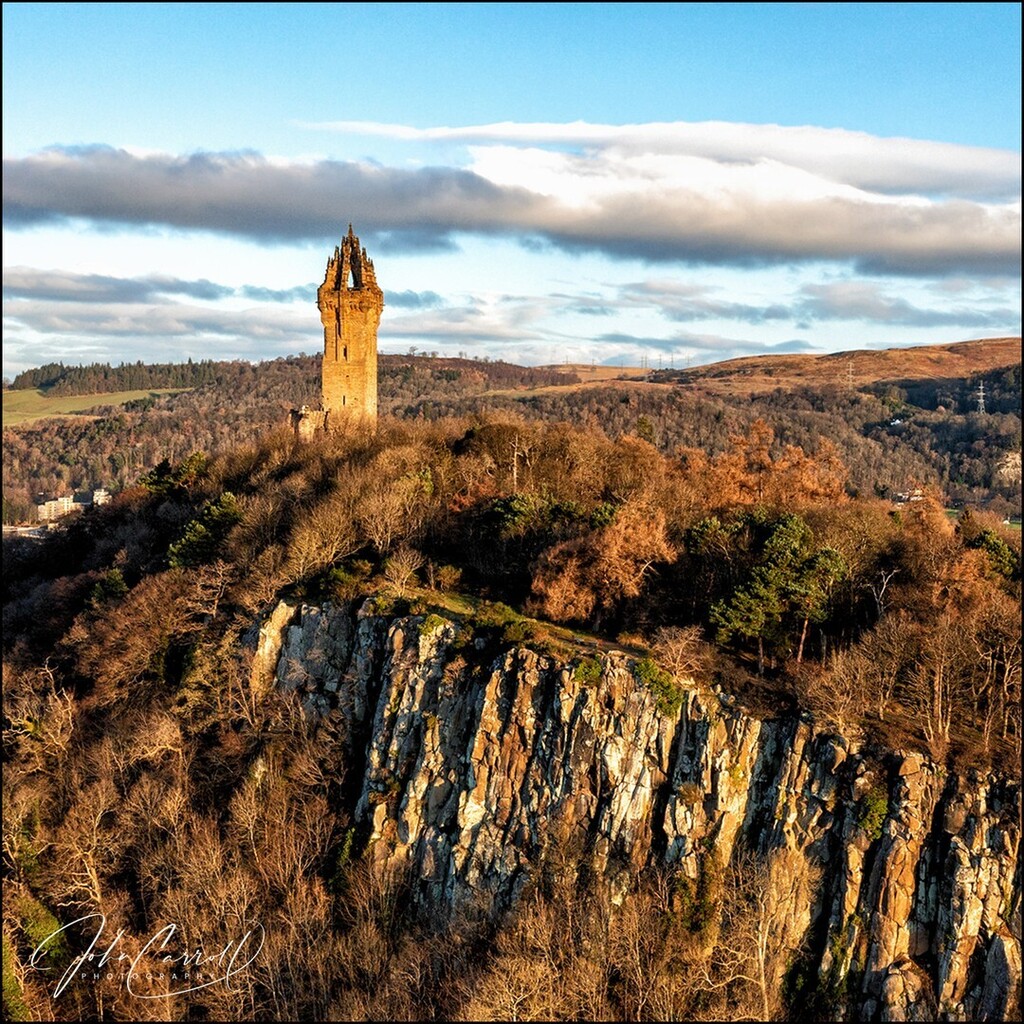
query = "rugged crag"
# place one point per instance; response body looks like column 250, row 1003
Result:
column 471, row 758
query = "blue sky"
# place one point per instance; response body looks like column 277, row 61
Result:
column 535, row 182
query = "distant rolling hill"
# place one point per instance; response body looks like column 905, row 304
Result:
column 910, row 416
column 752, row 374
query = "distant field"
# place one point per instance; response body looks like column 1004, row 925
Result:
column 589, row 371
column 630, row 376
column 21, row 407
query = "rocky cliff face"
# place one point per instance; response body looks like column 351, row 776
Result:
column 471, row 759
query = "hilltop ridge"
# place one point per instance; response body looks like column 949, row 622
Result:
column 858, row 367
column 909, row 417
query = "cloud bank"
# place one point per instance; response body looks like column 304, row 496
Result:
column 66, row 286
column 730, row 195
column 861, row 301
column 856, row 158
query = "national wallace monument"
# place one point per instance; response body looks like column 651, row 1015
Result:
column 350, row 303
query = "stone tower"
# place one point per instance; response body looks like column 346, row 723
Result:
column 350, row 304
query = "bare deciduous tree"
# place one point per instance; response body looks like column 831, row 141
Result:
column 681, row 650
column 321, row 537
column 767, row 914
column 401, row 568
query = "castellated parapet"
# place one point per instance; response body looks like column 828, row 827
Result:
column 350, row 304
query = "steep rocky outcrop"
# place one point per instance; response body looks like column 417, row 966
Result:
column 472, row 757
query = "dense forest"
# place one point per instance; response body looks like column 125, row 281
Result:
column 230, row 403
column 99, row 378
column 893, row 436
column 147, row 779
column 889, row 444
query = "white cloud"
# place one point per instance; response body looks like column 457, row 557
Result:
column 165, row 320
column 854, row 158
column 742, row 195
column 777, row 228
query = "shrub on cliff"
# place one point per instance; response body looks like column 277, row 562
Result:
column 872, row 811
column 667, row 694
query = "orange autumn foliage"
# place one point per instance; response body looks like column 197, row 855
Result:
column 748, row 474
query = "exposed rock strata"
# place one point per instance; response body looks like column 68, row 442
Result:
column 473, row 759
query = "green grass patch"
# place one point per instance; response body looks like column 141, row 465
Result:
column 501, row 623
column 495, row 615
column 21, row 407
column 431, row 624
